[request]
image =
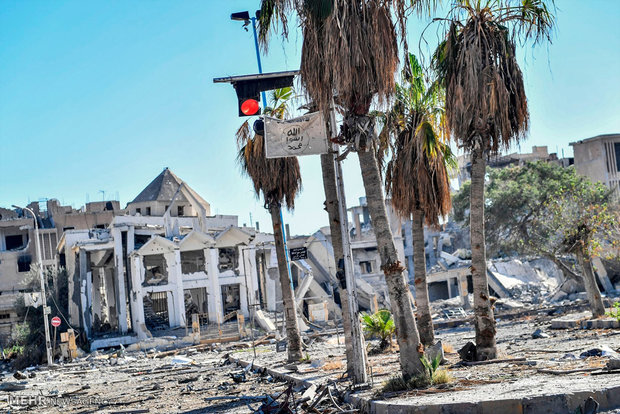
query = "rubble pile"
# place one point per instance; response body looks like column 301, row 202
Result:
column 528, row 281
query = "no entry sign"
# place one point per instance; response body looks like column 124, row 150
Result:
column 55, row 321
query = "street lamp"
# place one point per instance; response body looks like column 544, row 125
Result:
column 44, row 300
column 244, row 16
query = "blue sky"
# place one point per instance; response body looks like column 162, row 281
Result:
column 101, row 96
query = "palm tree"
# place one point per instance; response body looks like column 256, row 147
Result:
column 486, row 108
column 279, row 181
column 380, row 324
column 350, row 55
column 417, row 175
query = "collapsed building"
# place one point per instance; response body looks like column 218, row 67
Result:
column 165, row 259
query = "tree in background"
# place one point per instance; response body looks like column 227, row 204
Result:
column 486, row 109
column 546, row 210
column 278, row 180
column 416, row 177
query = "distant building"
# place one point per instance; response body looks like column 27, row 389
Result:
column 18, row 249
column 598, row 158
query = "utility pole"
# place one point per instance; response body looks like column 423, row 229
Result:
column 360, row 375
column 46, row 310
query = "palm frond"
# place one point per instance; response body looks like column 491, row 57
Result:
column 477, row 64
column 416, row 177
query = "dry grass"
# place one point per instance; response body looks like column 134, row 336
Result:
column 442, row 376
column 447, row 348
column 331, row 366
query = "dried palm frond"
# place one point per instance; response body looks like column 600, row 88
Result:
column 350, row 48
column 485, row 94
column 417, row 175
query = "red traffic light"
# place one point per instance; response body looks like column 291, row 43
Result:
column 250, row 107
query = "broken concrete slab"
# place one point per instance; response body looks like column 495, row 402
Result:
column 608, row 323
column 539, row 334
column 570, row 321
column 434, row 351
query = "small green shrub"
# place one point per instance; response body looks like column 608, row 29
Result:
column 614, row 312
column 13, row 351
column 400, row 384
column 381, row 325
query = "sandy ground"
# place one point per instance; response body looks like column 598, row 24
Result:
column 141, row 382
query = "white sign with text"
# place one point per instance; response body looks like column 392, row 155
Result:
column 305, row 135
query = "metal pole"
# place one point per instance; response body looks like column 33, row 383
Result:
column 260, row 67
column 264, row 97
column 360, row 375
column 43, row 296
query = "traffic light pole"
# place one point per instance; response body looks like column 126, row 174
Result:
column 264, row 98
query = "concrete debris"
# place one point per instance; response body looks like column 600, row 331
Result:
column 181, row 360
column 539, row 334
column 468, row 352
column 20, row 375
column 603, row 351
column 434, row 351
column 589, row 407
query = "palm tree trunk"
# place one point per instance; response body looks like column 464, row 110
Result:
column 589, row 280
column 483, row 313
column 331, row 206
column 290, row 309
column 406, row 332
column 425, row 322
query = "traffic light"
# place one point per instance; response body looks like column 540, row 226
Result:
column 249, row 88
column 249, row 106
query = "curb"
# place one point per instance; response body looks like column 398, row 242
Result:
column 608, row 398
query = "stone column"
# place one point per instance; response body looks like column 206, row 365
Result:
column 136, row 298
column 121, row 294
column 84, row 294
column 96, row 294
column 213, row 288
column 176, row 301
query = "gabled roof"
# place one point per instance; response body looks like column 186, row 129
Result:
column 163, row 188
column 156, row 245
column 232, row 236
column 196, row 237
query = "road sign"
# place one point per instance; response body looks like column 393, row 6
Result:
column 56, row 321
column 298, row 253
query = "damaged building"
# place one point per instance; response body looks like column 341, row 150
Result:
column 18, row 249
column 153, row 267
